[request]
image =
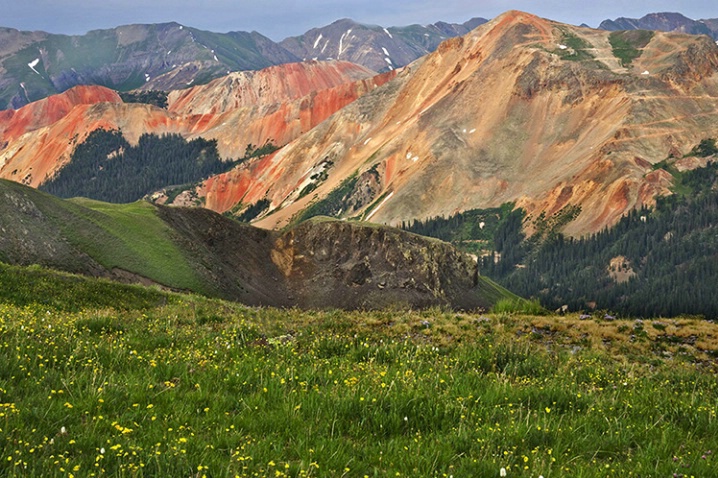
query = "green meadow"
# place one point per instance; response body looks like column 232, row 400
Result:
column 124, row 381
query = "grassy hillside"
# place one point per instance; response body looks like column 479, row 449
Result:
column 86, row 236
column 198, row 387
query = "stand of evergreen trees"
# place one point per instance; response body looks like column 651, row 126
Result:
column 151, row 97
column 108, row 168
column 672, row 249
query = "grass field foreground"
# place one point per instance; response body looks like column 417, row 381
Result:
column 187, row 386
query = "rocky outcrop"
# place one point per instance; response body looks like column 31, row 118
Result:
column 353, row 265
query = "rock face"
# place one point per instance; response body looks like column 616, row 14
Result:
column 350, row 265
column 319, row 264
column 276, row 104
column 521, row 109
column 665, row 22
column 35, row 65
column 375, row 47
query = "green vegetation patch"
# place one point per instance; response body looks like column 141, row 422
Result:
column 707, row 147
column 26, row 286
column 333, row 203
column 108, row 168
column 577, row 47
column 472, row 231
column 152, row 97
column 204, row 387
column 628, row 45
column 254, row 210
column 672, row 251
column 130, row 237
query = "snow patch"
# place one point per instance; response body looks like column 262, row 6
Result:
column 408, row 155
column 181, row 27
column 147, row 77
column 341, row 42
column 646, row 72
column 367, row 141
column 563, row 47
column 215, row 58
column 388, row 60
column 316, row 42
column 325, row 46
column 472, row 131
column 169, row 52
column 387, row 32
column 415, row 158
column 33, row 64
column 464, row 131
column 385, row 52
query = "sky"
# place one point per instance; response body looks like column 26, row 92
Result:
column 279, row 19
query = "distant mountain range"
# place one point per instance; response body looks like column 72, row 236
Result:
column 374, row 46
column 169, row 56
column 34, row 65
column 664, row 22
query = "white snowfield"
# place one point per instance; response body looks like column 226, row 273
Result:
column 387, row 32
column 316, row 42
column 33, row 64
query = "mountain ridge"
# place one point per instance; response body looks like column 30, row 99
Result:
column 374, row 46
column 664, row 21
column 522, row 110
column 318, row 264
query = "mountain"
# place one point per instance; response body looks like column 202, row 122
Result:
column 320, row 263
column 276, row 104
column 34, row 65
column 552, row 117
column 375, row 47
column 665, row 22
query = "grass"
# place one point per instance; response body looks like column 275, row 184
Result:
column 518, row 306
column 628, row 45
column 132, row 237
column 198, row 387
column 577, row 48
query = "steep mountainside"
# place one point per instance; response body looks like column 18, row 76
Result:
column 522, row 109
column 665, row 22
column 275, row 104
column 373, row 46
column 318, row 264
column 35, row 65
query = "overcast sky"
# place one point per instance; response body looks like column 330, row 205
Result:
column 279, row 19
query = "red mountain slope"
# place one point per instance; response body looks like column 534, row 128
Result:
column 521, row 109
column 276, row 104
